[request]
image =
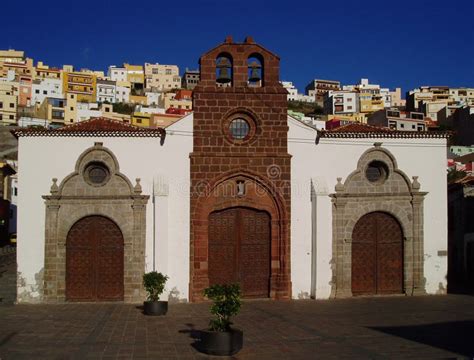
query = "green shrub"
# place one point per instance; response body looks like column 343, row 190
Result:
column 154, row 283
column 226, row 304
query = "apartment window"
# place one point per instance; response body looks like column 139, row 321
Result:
column 168, row 71
column 402, row 125
column 139, row 121
column 37, row 91
column 12, row 105
column 1, row 105
column 12, row 117
column 349, row 108
column 413, row 126
column 45, row 92
column 1, row 117
column 71, row 96
column 349, row 99
column 72, row 108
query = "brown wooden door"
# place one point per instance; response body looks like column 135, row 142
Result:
column 377, row 255
column 94, row 260
column 239, row 250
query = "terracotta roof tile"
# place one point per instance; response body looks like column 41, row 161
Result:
column 101, row 126
column 359, row 130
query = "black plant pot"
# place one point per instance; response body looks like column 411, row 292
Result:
column 155, row 307
column 221, row 343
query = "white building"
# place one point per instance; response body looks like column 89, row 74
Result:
column 106, row 90
column 166, row 178
column 324, row 214
column 122, row 92
column 292, row 90
column 341, row 102
column 152, row 98
column 117, row 73
column 149, row 109
column 47, row 87
column 85, row 111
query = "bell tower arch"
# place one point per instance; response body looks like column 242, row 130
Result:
column 240, row 160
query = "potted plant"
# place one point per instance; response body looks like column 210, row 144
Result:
column 221, row 338
column 154, row 283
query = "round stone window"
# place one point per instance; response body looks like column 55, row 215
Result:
column 239, row 129
column 96, row 173
column 376, row 172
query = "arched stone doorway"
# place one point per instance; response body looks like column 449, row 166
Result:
column 377, row 255
column 377, row 186
column 96, row 189
column 239, row 250
column 94, row 260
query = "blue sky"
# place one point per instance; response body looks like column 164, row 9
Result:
column 408, row 44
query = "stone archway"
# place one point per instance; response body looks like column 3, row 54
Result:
column 94, row 260
column 95, row 188
column 240, row 190
column 377, row 185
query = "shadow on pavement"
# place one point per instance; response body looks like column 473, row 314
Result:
column 193, row 334
column 455, row 336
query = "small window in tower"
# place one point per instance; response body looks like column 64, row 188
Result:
column 239, row 129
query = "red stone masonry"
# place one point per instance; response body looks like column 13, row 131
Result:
column 261, row 160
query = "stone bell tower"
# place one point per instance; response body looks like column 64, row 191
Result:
column 240, row 173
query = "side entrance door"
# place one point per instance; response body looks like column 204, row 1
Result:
column 94, row 261
column 377, row 255
column 239, row 250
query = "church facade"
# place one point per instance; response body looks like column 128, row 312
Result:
column 238, row 191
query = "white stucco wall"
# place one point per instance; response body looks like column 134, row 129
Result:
column 42, row 158
column 165, row 168
column 333, row 158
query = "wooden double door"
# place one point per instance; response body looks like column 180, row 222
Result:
column 94, row 261
column 377, row 255
column 239, row 250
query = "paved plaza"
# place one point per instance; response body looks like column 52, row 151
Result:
column 427, row 327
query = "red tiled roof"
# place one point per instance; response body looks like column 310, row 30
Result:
column 100, row 126
column 356, row 127
column 358, row 130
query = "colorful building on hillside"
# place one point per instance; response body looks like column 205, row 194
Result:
column 81, row 84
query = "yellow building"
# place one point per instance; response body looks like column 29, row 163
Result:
column 370, row 101
column 136, row 77
column 162, row 77
column 179, row 100
column 358, row 117
column 108, row 112
column 8, row 104
column 43, row 71
column 53, row 110
column 70, row 110
column 138, row 99
column 24, row 67
column 81, row 84
column 141, row 119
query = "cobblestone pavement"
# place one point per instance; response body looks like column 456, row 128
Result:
column 371, row 328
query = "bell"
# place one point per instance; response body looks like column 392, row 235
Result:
column 254, row 72
column 224, row 76
column 224, row 67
